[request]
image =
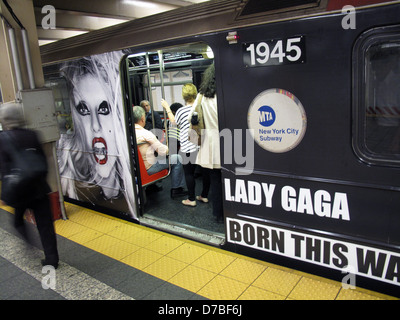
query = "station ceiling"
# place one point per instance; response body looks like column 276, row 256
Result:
column 74, row 17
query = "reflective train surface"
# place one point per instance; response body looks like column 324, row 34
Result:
column 308, row 96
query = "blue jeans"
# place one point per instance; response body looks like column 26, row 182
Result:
column 177, row 175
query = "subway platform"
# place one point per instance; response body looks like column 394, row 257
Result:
column 104, row 258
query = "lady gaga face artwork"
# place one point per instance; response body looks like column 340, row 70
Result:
column 93, row 113
column 93, row 160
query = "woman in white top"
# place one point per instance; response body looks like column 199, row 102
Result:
column 208, row 156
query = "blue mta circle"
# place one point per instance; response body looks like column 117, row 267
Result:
column 266, row 116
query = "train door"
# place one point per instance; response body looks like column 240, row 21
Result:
column 150, row 77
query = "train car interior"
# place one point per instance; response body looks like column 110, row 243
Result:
column 152, row 76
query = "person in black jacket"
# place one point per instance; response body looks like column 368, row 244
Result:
column 12, row 120
column 145, row 104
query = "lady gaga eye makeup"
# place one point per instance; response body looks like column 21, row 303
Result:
column 104, row 108
column 82, row 108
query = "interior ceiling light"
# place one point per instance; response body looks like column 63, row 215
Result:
column 139, row 3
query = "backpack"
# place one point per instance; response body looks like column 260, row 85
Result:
column 28, row 166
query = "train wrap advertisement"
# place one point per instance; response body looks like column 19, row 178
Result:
column 349, row 257
column 326, row 218
column 93, row 153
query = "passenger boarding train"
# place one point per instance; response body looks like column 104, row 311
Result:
column 308, row 99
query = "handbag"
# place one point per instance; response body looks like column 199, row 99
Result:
column 27, row 166
column 196, row 124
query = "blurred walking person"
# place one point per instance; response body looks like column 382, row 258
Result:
column 34, row 194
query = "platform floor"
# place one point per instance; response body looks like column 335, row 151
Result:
column 106, row 258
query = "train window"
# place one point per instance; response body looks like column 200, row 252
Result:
column 62, row 106
column 377, row 99
column 172, row 84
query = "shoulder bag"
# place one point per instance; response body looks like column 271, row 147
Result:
column 196, row 124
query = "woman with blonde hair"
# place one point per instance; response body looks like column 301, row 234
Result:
column 188, row 150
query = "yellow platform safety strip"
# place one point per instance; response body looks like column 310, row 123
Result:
column 211, row 272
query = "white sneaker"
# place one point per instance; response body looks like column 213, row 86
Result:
column 200, row 198
column 189, row 203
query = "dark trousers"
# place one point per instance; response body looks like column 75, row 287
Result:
column 44, row 222
column 189, row 169
column 216, row 192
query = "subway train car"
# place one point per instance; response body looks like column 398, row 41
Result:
column 308, row 96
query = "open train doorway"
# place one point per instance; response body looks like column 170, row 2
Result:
column 149, row 78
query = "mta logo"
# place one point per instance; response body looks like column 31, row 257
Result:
column 266, row 116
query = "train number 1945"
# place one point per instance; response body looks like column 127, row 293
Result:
column 274, row 52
